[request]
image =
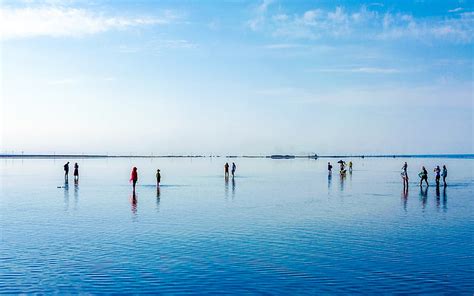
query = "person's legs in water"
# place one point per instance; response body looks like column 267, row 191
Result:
column 134, row 183
column 444, row 181
column 426, row 181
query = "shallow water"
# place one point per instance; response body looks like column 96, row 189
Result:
column 281, row 226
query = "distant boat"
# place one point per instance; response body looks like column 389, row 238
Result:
column 277, row 156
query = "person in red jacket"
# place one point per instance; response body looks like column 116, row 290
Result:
column 134, row 177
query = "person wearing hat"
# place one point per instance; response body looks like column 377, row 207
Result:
column 158, row 178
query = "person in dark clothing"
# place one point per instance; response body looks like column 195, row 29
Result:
column 158, row 178
column 437, row 170
column 234, row 167
column 226, row 170
column 76, row 172
column 423, row 176
column 66, row 171
column 329, row 168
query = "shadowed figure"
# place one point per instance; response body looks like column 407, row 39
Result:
column 445, row 175
column 66, row 171
column 437, row 171
column 226, row 170
column 405, row 174
column 234, row 167
column 158, row 178
column 76, row 172
column 423, row 176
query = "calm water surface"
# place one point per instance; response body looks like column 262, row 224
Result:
column 281, row 226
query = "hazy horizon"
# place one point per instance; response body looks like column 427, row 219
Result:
column 238, row 77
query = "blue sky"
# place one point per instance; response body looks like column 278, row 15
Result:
column 237, row 77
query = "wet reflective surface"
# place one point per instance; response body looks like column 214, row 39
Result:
column 279, row 226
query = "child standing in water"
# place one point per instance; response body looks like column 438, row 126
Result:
column 437, row 170
column 76, row 172
column 134, row 177
column 158, row 178
column 423, row 176
column 445, row 174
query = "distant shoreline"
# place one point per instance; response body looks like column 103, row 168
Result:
column 276, row 157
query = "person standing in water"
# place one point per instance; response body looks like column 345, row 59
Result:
column 329, row 168
column 350, row 166
column 66, row 171
column 437, row 170
column 226, row 170
column 158, row 178
column 234, row 167
column 134, row 178
column 423, row 176
column 76, row 172
column 445, row 174
column 405, row 174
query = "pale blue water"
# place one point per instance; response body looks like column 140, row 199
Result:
column 280, row 227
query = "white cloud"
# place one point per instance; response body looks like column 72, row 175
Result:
column 456, row 9
column 364, row 23
column 259, row 19
column 62, row 22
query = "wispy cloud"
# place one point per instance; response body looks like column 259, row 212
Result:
column 456, row 9
column 259, row 15
column 57, row 21
column 363, row 70
column 364, row 23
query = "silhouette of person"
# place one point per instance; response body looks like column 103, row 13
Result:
column 350, row 166
column 437, row 170
column 226, row 170
column 445, row 174
column 134, row 177
column 234, row 167
column 423, row 176
column 158, row 178
column 76, row 172
column 329, row 168
column 66, row 171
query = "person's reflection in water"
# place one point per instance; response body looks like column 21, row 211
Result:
column 437, row 197
column 233, row 188
column 329, row 182
column 66, row 195
column 405, row 197
column 445, row 200
column 133, row 202
column 158, row 199
column 76, row 193
column 342, row 176
column 226, row 181
column 423, row 196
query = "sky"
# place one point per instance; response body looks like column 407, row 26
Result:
column 236, row 77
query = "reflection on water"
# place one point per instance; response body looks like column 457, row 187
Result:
column 423, row 196
column 76, row 194
column 226, row 182
column 66, row 196
column 342, row 177
column 405, row 197
column 374, row 239
column 133, row 203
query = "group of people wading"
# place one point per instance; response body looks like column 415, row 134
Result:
column 424, row 175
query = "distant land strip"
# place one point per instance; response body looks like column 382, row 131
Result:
column 274, row 156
